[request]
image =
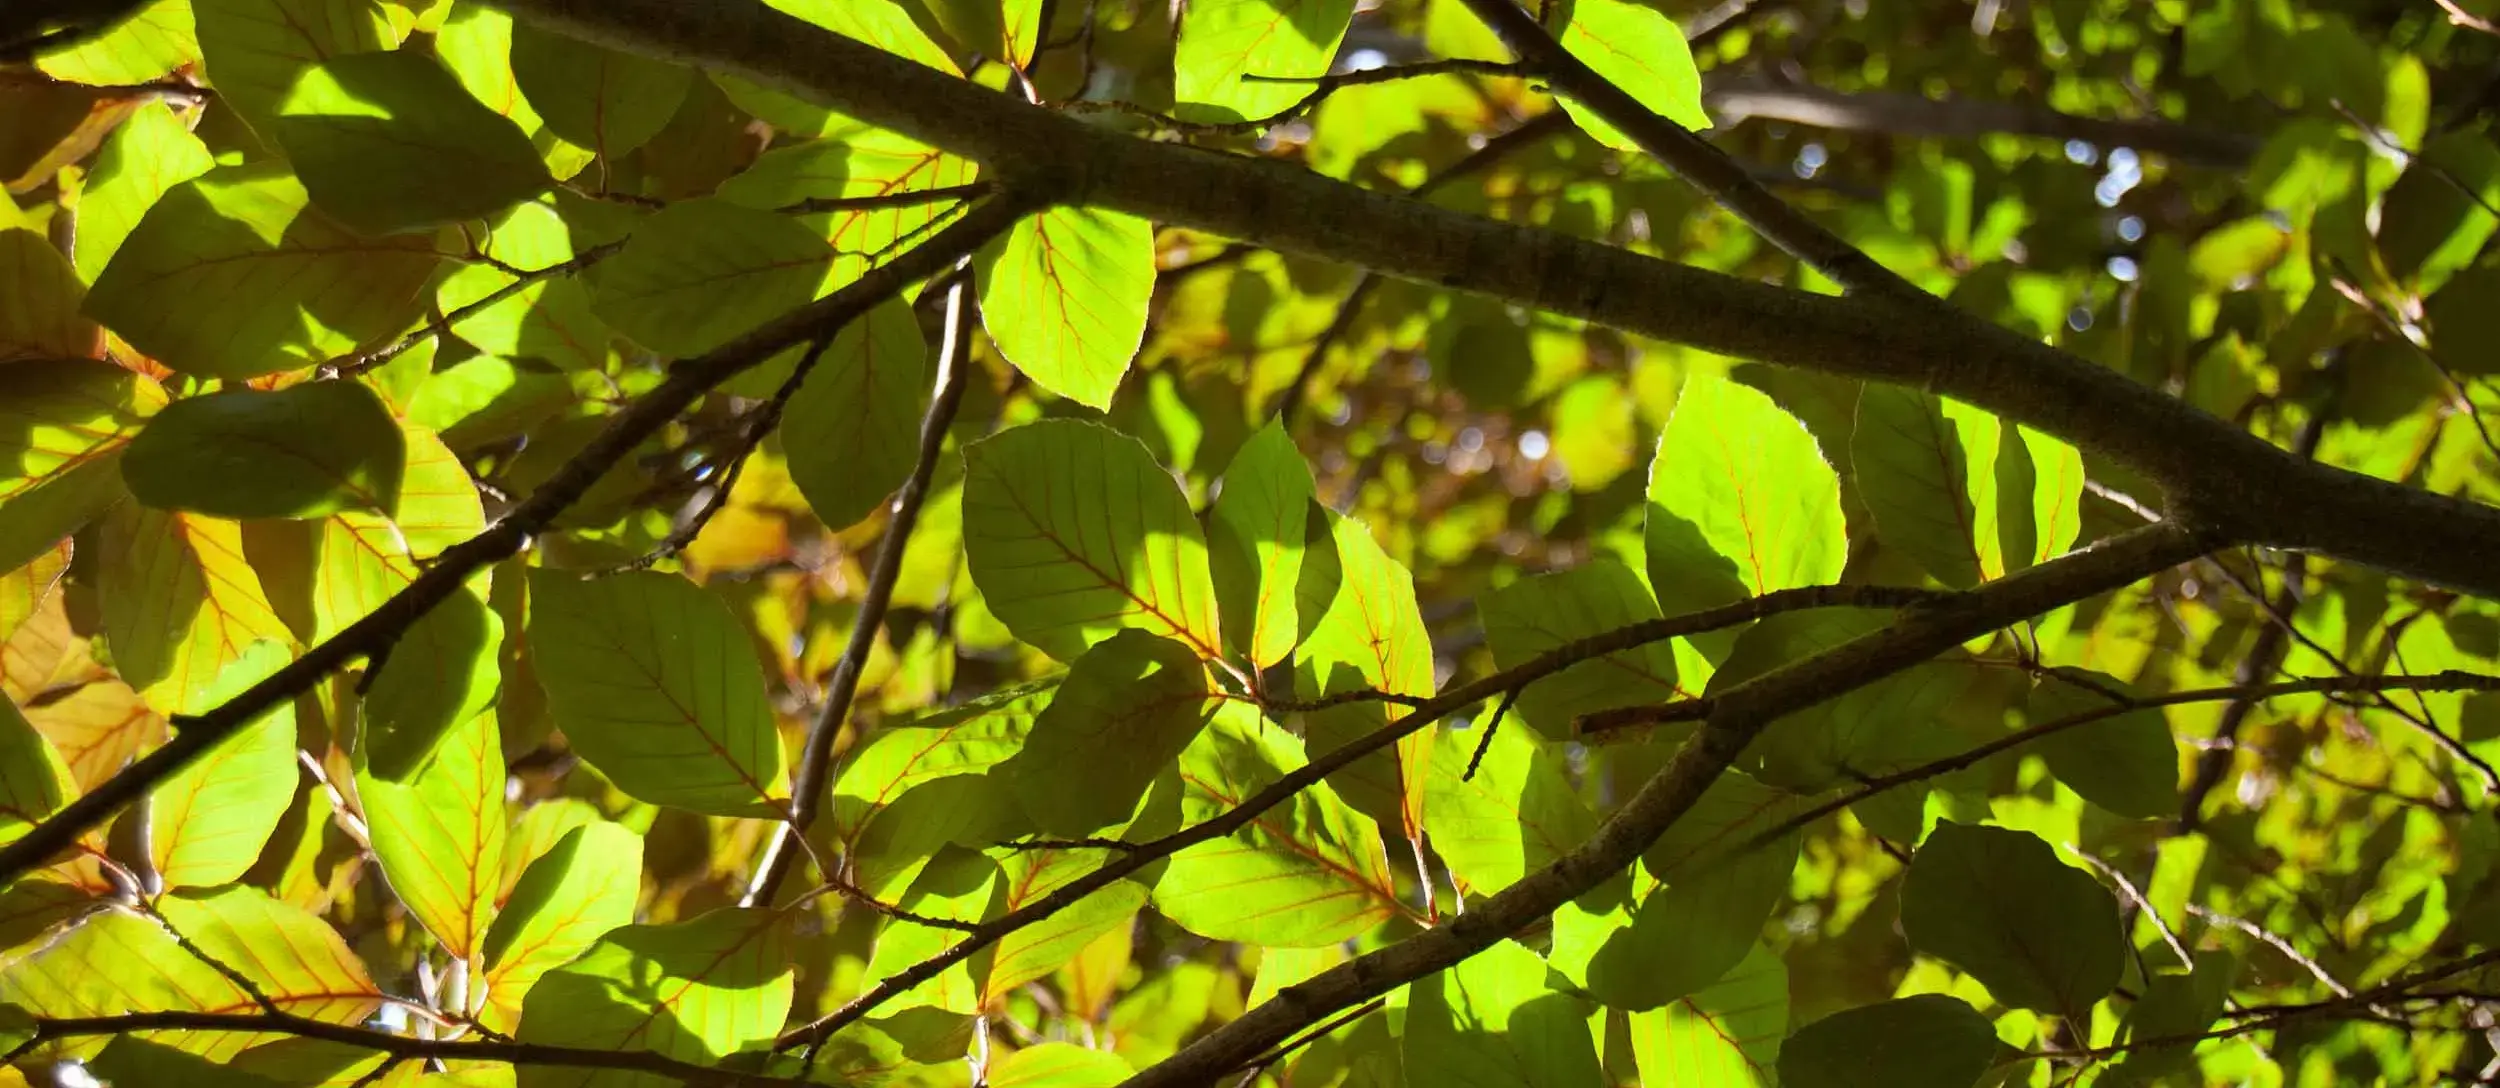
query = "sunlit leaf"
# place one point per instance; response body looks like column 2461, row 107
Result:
column 1640, row 50
column 1037, row 950
column 1492, row 1020
column 1255, row 542
column 1370, row 637
column 604, row 100
column 852, row 431
column 255, row 49
column 388, row 142
column 1064, row 297
column 654, row 683
column 180, row 604
column 207, row 823
column 1073, row 532
column 1306, row 873
column 43, row 294
column 700, row 272
column 1516, row 815
column 438, row 831
column 565, row 901
column 1127, row 709
column 1915, row 480
column 1726, row 1034
column 33, row 779
column 1222, row 41
column 1059, row 1065
column 696, row 991
column 63, row 425
column 440, row 673
column 1536, row 615
column 148, row 45
column 1741, row 501
column 115, row 962
column 294, row 958
column 231, row 275
column 299, row 452
column 1928, row 1041
column 1999, row 904
column 147, row 156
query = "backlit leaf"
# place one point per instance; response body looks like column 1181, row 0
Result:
column 1371, row 637
column 1741, row 502
column 1928, row 1041
column 207, row 823
column 566, row 900
column 604, row 100
column 696, row 991
column 475, row 42
column 1536, row 615
column 1515, row 816
column 1255, row 542
column 1222, row 41
column 852, row 431
column 255, row 49
column 2127, row 764
column 1727, row 1034
column 1073, row 532
column 1306, row 873
column 389, row 142
column 654, row 683
column 1639, row 49
column 147, row 156
column 232, row 275
column 1493, row 1020
column 1059, row 1065
column 438, row 830
column 63, row 424
column 1127, row 709
column 148, row 45
column 1999, row 904
column 1912, row 473
column 42, row 293
column 115, row 962
column 442, row 672
column 180, row 604
column 1714, row 896
column 299, row 452
column 33, row 779
column 1037, row 950
column 294, row 958
column 1064, row 296
column 700, row 272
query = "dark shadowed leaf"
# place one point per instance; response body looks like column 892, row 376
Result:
column 1999, row 904
column 1127, row 709
column 604, row 100
column 299, row 452
column 852, row 431
column 388, row 142
column 1928, row 1041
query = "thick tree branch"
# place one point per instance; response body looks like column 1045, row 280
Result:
column 687, row 382
column 1741, row 713
column 2227, row 477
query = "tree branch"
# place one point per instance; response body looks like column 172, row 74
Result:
column 1734, row 97
column 1742, row 713
column 2228, row 478
column 687, row 382
column 807, row 789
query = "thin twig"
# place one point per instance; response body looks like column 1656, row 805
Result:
column 816, row 761
column 522, row 281
column 910, row 198
column 687, row 382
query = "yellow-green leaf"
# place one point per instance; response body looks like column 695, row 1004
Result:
column 145, row 158
column 1639, row 49
column 63, row 425
column 390, row 142
column 565, row 901
column 605, row 100
column 1064, row 297
column 696, row 991
column 851, row 433
column 439, row 832
column 180, row 604
column 208, row 822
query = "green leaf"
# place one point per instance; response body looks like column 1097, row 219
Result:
column 181, row 605
column 605, row 100
column 133, row 1059
column 1493, row 1020
column 1305, row 873
column 957, row 885
column 1222, row 41
column 362, row 558
column 2173, row 1005
column 851, row 433
column 148, row 45
column 231, row 275
column 1059, row 1065
column 1856, row 734
column 1714, row 897
column 656, row 684
column 2126, row 764
column 438, row 830
column 1928, row 1041
column 255, row 49
column 566, row 900
column 42, row 318
column 2428, row 229
column 887, row 825
column 1255, row 546
column 442, row 672
column 1637, row 48
column 1514, row 817
column 2000, row 905
column 1741, row 501
column 299, row 452
column 1727, row 1034
column 475, row 42
column 1128, row 708
column 145, row 158
column 1535, row 615
column 1370, row 637
column 1916, row 482
column 63, row 425
column 33, row 779
column 699, row 273
column 1073, row 532
column 696, row 991
column 207, row 823
column 388, row 142
column 1064, row 298
column 881, row 23
column 115, row 962
column 293, row 957
column 1036, row 951
column 2056, row 499
column 548, row 320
